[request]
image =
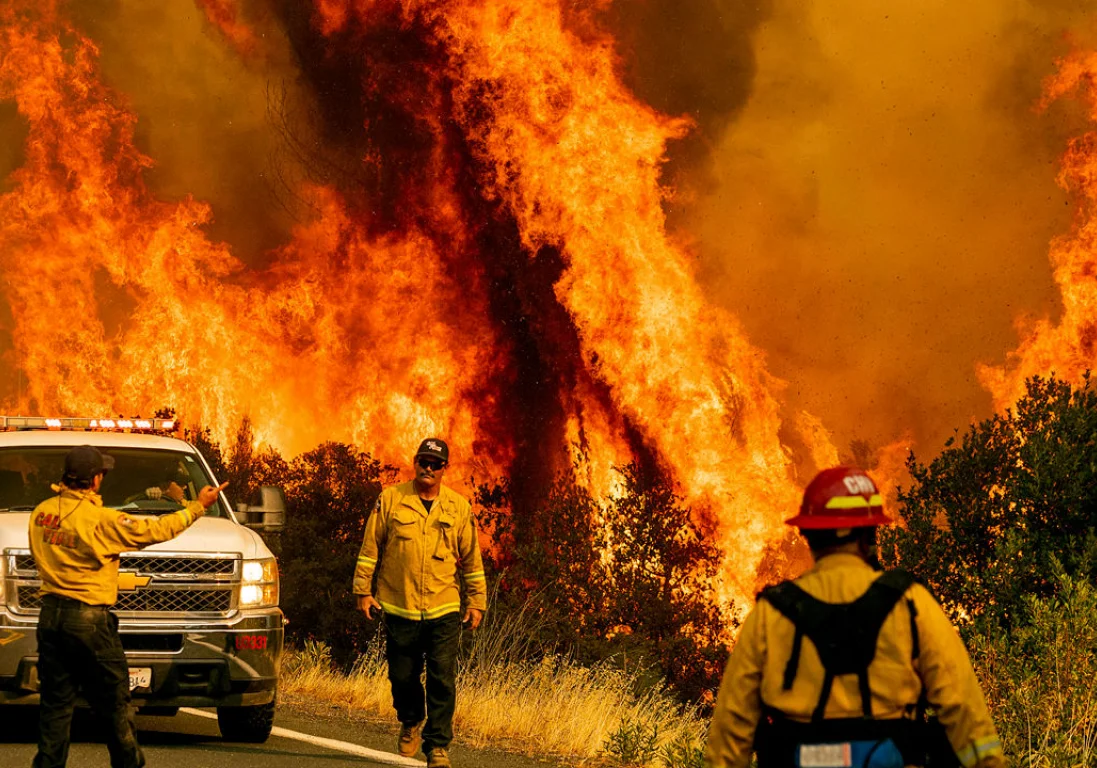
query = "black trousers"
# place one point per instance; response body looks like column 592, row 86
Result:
column 79, row 650
column 408, row 644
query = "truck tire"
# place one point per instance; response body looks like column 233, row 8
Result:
column 250, row 725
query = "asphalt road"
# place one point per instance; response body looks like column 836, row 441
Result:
column 191, row 740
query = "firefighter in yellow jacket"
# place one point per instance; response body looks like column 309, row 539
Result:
column 419, row 538
column 835, row 668
column 76, row 542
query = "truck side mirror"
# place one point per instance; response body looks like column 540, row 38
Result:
column 267, row 511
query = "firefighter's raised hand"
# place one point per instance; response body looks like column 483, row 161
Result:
column 472, row 617
column 207, row 497
column 367, row 605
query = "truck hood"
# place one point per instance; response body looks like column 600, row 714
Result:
column 208, row 535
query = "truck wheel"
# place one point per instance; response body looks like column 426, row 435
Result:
column 247, row 724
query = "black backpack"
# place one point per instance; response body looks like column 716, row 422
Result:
column 845, row 635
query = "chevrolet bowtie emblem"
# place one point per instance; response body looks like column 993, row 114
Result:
column 127, row 582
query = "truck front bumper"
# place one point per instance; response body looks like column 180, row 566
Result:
column 232, row 663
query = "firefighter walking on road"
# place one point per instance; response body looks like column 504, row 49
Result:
column 419, row 540
column 835, row 668
column 76, row 542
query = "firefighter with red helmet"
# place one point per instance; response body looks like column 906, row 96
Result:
column 835, row 668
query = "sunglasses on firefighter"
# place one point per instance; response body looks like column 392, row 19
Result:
column 432, row 464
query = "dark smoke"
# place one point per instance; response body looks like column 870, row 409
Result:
column 202, row 115
column 369, row 93
column 695, row 59
column 13, row 135
column 690, row 58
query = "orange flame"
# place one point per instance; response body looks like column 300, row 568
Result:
column 225, row 14
column 1066, row 348
column 381, row 335
column 542, row 111
column 84, row 242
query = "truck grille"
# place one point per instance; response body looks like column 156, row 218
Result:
column 198, row 586
column 156, row 564
column 191, row 566
column 150, row 599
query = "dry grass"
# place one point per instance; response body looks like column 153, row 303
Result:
column 559, row 707
column 552, row 706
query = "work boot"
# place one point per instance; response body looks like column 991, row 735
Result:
column 410, row 739
column 438, row 758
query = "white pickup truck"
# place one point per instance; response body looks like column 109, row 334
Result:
column 198, row 615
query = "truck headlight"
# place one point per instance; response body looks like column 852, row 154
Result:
column 259, row 587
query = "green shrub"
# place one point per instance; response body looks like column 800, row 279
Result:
column 683, row 752
column 633, row 743
column 985, row 519
column 315, row 654
column 1002, row 526
column 1040, row 678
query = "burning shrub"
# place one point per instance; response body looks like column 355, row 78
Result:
column 628, row 578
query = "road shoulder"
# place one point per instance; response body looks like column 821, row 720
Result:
column 335, row 721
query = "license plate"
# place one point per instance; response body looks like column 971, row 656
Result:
column 825, row 756
column 140, row 677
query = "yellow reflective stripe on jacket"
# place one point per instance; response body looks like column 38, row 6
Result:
column 978, row 750
column 367, row 560
column 433, row 613
column 475, row 576
column 398, row 611
column 441, row 610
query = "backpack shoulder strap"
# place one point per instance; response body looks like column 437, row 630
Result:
column 789, row 600
column 916, row 648
column 870, row 611
column 893, row 585
column 896, row 579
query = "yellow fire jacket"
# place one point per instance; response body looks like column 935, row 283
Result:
column 754, row 673
column 76, row 542
column 417, row 555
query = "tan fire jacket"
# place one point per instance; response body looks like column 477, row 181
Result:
column 417, row 555
column 76, row 542
column 754, row 674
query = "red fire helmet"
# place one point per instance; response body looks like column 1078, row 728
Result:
column 841, row 497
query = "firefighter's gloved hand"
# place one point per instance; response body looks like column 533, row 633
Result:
column 154, row 493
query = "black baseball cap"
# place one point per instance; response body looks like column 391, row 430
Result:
column 84, row 462
column 434, row 446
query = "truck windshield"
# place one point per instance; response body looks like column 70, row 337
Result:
column 143, row 481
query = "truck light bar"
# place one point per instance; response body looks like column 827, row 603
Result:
column 42, row 422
